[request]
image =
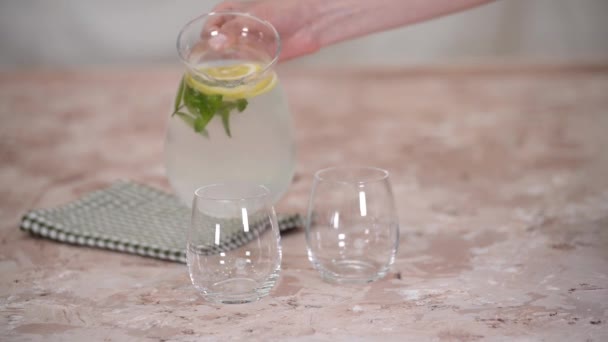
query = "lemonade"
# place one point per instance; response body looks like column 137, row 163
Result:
column 236, row 129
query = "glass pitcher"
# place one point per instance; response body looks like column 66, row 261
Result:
column 230, row 121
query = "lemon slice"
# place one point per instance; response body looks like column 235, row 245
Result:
column 231, row 73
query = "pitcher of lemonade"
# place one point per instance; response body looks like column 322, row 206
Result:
column 230, row 121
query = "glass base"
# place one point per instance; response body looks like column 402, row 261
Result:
column 236, row 291
column 351, row 271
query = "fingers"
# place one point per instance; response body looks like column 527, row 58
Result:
column 216, row 21
column 217, row 32
column 291, row 18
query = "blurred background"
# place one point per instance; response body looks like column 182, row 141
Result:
column 133, row 32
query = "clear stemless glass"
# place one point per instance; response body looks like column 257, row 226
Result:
column 230, row 121
column 234, row 251
column 352, row 230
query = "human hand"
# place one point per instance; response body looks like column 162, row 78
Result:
column 305, row 26
column 291, row 18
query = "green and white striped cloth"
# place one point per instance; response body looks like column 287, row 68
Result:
column 131, row 218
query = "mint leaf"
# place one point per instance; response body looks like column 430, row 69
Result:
column 228, row 106
column 214, row 102
column 199, row 124
column 241, row 104
column 204, row 119
column 193, row 100
column 188, row 119
column 178, row 97
column 225, row 114
column 203, row 107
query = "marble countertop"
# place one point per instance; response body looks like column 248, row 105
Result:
column 500, row 176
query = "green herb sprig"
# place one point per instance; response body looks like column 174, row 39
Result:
column 203, row 107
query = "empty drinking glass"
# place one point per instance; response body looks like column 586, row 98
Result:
column 352, row 230
column 233, row 251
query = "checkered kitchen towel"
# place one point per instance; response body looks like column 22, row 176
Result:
column 132, row 218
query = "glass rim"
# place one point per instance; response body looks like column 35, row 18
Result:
column 261, row 192
column 382, row 174
column 267, row 66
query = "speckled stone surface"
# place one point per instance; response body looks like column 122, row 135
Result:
column 500, row 176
